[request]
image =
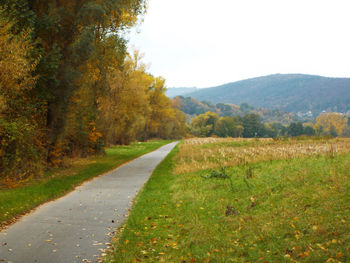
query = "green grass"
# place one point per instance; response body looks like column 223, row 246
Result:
column 17, row 201
column 286, row 211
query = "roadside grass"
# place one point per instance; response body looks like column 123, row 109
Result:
column 294, row 210
column 20, row 200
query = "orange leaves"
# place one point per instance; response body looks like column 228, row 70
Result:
column 304, row 254
column 94, row 135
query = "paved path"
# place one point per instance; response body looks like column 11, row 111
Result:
column 78, row 226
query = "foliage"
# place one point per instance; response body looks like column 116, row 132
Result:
column 69, row 87
column 193, row 107
column 226, row 127
column 204, row 124
column 20, row 148
column 331, row 124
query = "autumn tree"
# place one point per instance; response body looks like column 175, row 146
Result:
column 20, row 148
column 226, row 127
column 66, row 34
column 331, row 123
column 204, row 124
column 68, row 85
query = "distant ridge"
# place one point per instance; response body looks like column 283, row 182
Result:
column 288, row 92
column 173, row 92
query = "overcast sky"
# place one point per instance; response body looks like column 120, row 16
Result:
column 205, row 43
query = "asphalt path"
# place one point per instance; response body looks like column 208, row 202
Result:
column 79, row 226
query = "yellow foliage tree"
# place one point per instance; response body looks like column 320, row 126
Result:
column 19, row 128
column 331, row 123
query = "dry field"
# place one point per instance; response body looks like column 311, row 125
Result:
column 208, row 153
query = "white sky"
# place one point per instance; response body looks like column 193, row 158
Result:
column 205, row 43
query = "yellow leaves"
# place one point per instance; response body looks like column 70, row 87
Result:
column 331, row 121
column 126, row 242
column 320, row 246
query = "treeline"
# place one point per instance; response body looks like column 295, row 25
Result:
column 193, row 106
column 251, row 125
column 68, row 87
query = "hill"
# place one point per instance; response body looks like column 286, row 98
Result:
column 287, row 92
column 173, row 92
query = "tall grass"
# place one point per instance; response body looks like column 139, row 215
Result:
column 279, row 210
column 196, row 154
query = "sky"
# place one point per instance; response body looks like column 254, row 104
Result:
column 205, row 43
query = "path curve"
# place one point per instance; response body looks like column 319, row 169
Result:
column 79, row 226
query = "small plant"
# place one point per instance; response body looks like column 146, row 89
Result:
column 220, row 174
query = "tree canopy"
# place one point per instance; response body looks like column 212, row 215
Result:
column 69, row 86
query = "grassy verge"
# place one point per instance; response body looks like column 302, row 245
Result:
column 17, row 201
column 295, row 210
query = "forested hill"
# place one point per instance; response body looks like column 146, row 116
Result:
column 288, row 92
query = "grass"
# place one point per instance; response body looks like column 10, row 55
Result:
column 197, row 154
column 20, row 200
column 283, row 210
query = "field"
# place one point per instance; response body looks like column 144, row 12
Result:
column 243, row 200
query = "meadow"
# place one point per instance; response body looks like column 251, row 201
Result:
column 243, row 200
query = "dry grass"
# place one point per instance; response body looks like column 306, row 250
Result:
column 287, row 210
column 208, row 153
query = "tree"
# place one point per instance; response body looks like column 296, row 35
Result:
column 253, row 127
column 226, row 127
column 67, row 34
column 308, row 130
column 204, row 124
column 295, row 129
column 20, row 148
column 331, row 123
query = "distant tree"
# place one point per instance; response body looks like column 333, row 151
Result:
column 271, row 130
column 332, row 131
column 278, row 128
column 226, row 127
column 204, row 124
column 308, row 130
column 295, row 129
column 253, row 126
column 244, row 107
column 331, row 122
